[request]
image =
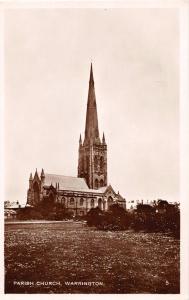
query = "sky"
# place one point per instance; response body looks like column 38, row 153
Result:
column 135, row 54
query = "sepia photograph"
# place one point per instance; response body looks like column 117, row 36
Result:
column 92, row 150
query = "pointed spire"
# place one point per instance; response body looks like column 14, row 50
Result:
column 103, row 139
column 91, row 125
column 36, row 176
column 91, row 80
column 42, row 173
column 80, row 140
column 30, row 181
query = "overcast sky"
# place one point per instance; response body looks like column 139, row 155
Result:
column 135, row 63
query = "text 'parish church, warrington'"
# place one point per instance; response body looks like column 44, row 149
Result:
column 89, row 189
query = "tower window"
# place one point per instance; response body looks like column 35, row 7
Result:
column 96, row 162
column 85, row 163
column 96, row 183
column 82, row 163
column 87, row 160
column 101, row 183
column 101, row 163
column 36, row 192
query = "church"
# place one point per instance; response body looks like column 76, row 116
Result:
column 90, row 188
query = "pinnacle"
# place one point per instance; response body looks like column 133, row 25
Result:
column 103, row 138
column 42, row 173
column 80, row 139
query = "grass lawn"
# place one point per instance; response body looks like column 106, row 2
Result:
column 37, row 255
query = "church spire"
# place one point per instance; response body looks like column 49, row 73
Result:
column 91, row 125
column 91, row 80
column 92, row 162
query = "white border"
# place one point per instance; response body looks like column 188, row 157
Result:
column 18, row 4
column 183, row 7
column 184, row 149
column 2, row 196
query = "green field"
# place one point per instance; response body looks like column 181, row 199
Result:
column 114, row 262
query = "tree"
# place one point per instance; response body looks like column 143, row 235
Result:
column 116, row 218
column 94, row 216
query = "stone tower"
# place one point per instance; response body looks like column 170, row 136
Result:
column 92, row 164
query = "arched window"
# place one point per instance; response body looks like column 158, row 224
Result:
column 100, row 203
column 72, row 201
column 110, row 201
column 101, row 183
column 101, row 163
column 96, row 183
column 92, row 203
column 81, row 201
column 51, row 197
column 36, row 192
column 62, row 201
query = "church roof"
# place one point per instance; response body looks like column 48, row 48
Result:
column 66, row 182
column 103, row 189
column 106, row 189
column 70, row 183
column 120, row 198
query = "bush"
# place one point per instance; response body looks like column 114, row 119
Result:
column 51, row 211
column 116, row 218
column 29, row 214
column 168, row 221
column 94, row 216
